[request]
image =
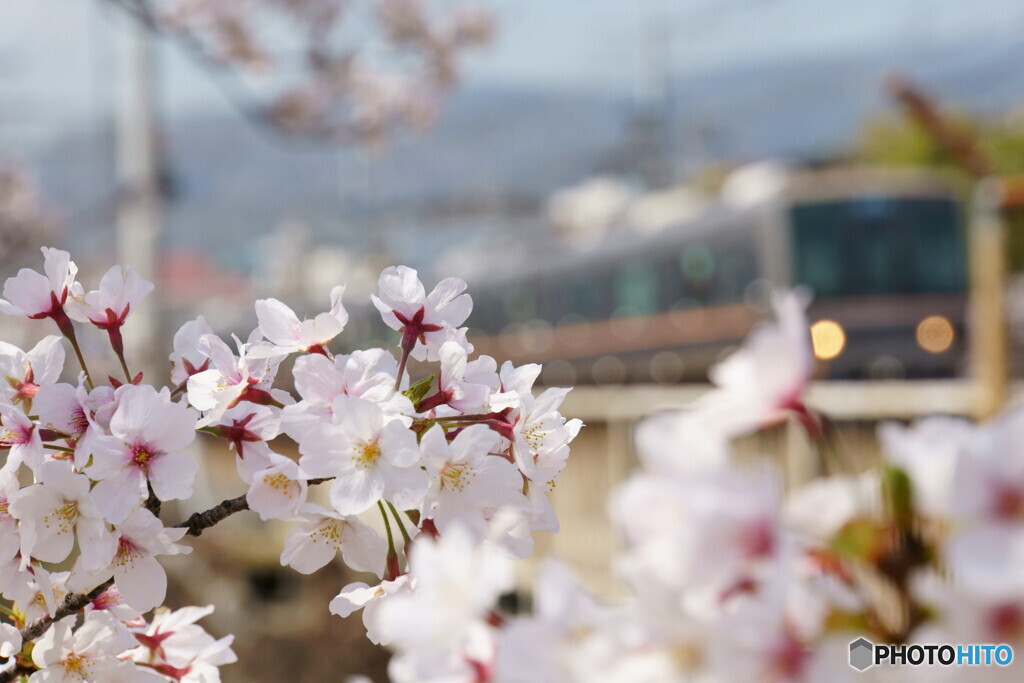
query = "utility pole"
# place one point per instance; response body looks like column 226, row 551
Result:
column 139, row 200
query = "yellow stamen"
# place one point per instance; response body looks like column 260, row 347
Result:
column 366, row 453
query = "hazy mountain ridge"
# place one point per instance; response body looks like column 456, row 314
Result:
column 232, row 183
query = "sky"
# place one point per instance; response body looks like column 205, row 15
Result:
column 58, row 58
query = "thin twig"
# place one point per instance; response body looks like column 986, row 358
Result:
column 201, row 521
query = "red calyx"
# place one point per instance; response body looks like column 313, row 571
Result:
column 414, row 329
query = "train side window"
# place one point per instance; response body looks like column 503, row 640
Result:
column 637, row 289
column 670, row 284
column 817, row 240
column 583, row 298
column 549, row 299
column 735, row 273
column 696, row 269
column 486, row 315
column 520, row 305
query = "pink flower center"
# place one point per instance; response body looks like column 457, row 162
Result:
column 142, row 456
column 107, row 600
column 15, row 435
column 1006, row 621
column 758, row 539
column 788, row 659
column 79, row 422
column 127, row 552
column 1007, row 501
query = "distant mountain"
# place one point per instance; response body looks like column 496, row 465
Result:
column 496, row 154
column 810, row 108
column 232, row 183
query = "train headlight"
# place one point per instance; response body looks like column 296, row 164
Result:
column 828, row 339
column 935, row 334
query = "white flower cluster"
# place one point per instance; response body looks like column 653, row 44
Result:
column 467, row 456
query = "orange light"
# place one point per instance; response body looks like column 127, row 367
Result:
column 828, row 339
column 935, row 334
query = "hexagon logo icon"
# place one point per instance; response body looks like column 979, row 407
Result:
column 862, row 654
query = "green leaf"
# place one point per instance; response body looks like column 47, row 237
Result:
column 418, row 391
column 898, row 494
column 859, row 539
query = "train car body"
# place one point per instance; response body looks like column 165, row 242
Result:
column 882, row 252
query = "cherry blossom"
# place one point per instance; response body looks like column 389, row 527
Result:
column 370, row 374
column 466, row 481
column 548, row 642
column 421, row 318
column 459, row 475
column 138, row 574
column 323, row 534
column 148, row 437
column 187, row 359
column 112, row 601
column 74, row 412
column 56, row 512
column 25, row 373
column 121, row 290
column 341, row 91
column 279, row 490
column 10, row 640
column 455, row 584
column 36, row 295
column 369, row 454
column 929, row 451
column 173, row 644
column 247, row 428
column 231, row 379
column 711, row 533
column 281, row 327
column 359, row 596
column 9, row 538
column 540, row 438
column 21, row 435
column 764, row 381
column 88, row 653
column 463, row 384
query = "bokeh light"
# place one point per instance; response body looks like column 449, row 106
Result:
column 828, row 339
column 935, row 334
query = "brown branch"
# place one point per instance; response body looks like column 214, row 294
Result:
column 200, row 521
column 960, row 145
column 20, row 670
column 71, row 604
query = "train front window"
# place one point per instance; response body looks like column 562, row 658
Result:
column 878, row 246
column 941, row 261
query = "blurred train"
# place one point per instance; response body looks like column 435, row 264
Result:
column 881, row 251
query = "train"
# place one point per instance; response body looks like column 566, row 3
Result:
column 881, row 252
